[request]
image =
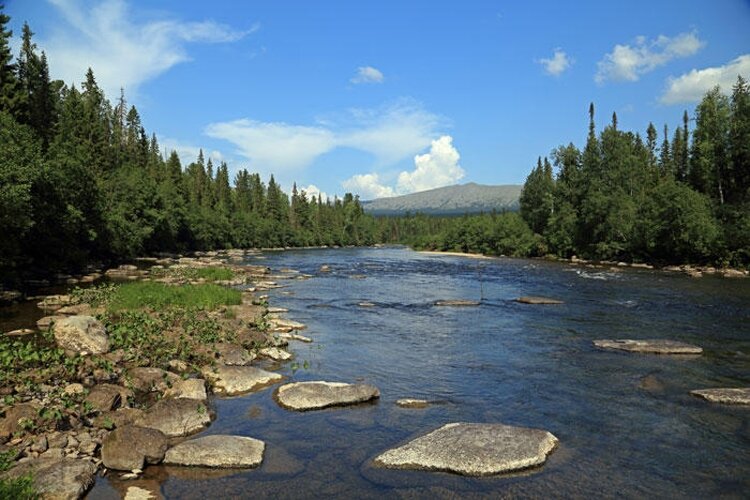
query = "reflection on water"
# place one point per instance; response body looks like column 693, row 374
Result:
column 627, row 425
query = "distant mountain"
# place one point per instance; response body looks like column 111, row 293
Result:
column 450, row 200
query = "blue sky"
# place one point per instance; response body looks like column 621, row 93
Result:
column 391, row 97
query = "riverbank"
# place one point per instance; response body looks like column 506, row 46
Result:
column 143, row 351
column 694, row 271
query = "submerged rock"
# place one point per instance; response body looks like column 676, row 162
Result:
column 457, row 303
column 218, row 451
column 233, row 380
column 132, row 447
column 302, row 396
column 81, row 334
column 472, row 450
column 654, row 346
column 412, row 403
column 729, row 396
column 55, row 477
column 538, row 300
column 176, row 417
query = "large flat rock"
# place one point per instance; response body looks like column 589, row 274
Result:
column 176, row 417
column 302, row 396
column 457, row 303
column 57, row 478
column 217, row 451
column 81, row 334
column 653, row 346
column 729, row 396
column 472, row 450
column 538, row 300
column 233, row 380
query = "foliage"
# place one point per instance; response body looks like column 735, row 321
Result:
column 20, row 488
column 155, row 296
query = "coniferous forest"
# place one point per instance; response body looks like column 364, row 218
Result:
column 82, row 181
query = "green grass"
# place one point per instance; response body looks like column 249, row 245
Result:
column 214, row 273
column 140, row 294
column 21, row 488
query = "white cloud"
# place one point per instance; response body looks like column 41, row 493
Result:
column 439, row 167
column 123, row 53
column 556, row 65
column 390, row 134
column 628, row 63
column 187, row 152
column 368, row 186
column 691, row 86
column 368, row 74
column 312, row 191
column 435, row 169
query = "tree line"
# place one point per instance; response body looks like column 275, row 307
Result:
column 674, row 200
column 82, row 181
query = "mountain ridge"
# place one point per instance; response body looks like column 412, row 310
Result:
column 449, row 200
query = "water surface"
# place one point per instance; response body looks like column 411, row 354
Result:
column 626, row 423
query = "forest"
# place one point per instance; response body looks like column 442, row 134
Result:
column 81, row 181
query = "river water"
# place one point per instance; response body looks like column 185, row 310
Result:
column 626, row 423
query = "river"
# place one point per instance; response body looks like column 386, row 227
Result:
column 627, row 425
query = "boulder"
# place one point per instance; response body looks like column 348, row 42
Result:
column 147, row 379
column 118, row 418
column 729, row 396
column 15, row 418
column 472, row 450
column 457, row 303
column 81, row 334
column 233, row 380
column 194, row 388
column 217, row 451
column 131, row 447
column 56, row 477
column 654, row 346
column 176, row 417
column 46, row 322
column 233, row 354
column 538, row 300
column 106, row 397
column 302, row 396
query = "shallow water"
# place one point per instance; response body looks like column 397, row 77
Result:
column 626, row 423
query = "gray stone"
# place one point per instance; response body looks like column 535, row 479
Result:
column 457, row 303
column 217, row 451
column 15, row 417
column 302, row 396
column 81, row 334
column 654, row 346
column 472, row 450
column 233, row 380
column 275, row 353
column 729, row 396
column 233, row 354
column 538, row 300
column 56, row 478
column 132, row 447
column 283, row 324
column 194, row 388
column 47, row 321
column 294, row 336
column 176, row 417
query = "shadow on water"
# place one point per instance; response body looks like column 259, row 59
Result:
column 626, row 423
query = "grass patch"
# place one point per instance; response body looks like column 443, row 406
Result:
column 21, row 488
column 215, row 273
column 145, row 294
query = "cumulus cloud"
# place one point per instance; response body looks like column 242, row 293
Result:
column 188, row 152
column 691, row 86
column 629, row 62
column 368, row 186
column 391, row 134
column 121, row 52
column 437, row 168
column 557, row 64
column 312, row 191
column 367, row 74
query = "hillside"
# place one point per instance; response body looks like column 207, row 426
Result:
column 450, row 200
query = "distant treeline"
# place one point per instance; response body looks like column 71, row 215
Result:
column 80, row 181
column 684, row 200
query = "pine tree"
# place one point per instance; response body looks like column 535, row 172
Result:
column 10, row 92
column 739, row 141
column 709, row 156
